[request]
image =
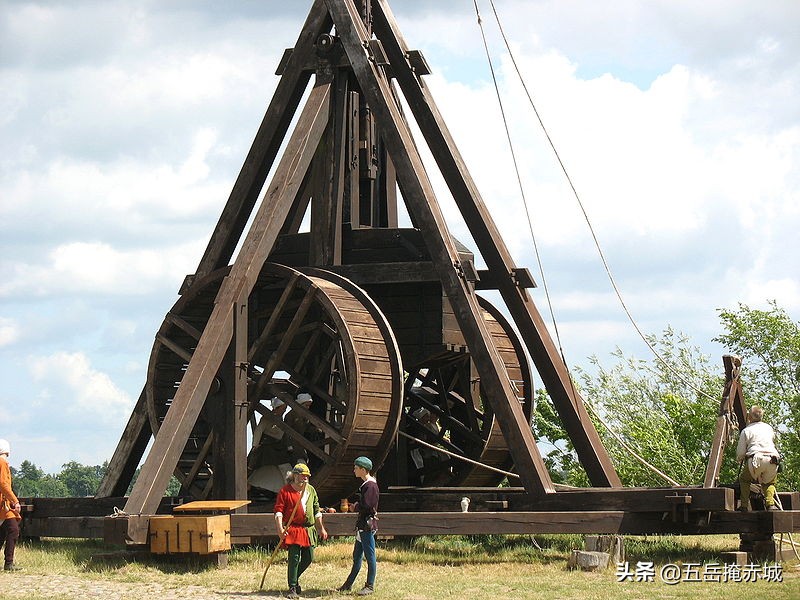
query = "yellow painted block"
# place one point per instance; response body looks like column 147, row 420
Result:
column 196, row 534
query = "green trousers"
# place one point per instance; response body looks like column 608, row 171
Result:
column 745, row 479
column 299, row 560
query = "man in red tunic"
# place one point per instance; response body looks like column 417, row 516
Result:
column 297, row 514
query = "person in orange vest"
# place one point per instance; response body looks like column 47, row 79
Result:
column 9, row 510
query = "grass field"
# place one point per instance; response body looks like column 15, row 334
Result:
column 444, row 567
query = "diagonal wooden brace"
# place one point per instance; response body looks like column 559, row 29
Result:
column 216, row 338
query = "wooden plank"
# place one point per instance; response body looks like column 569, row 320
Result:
column 213, row 344
column 238, row 410
column 421, row 201
column 133, row 529
column 266, row 145
column 44, row 508
column 185, row 354
column 544, row 353
column 211, row 506
column 64, row 527
column 383, row 273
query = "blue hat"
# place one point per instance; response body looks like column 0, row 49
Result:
column 363, row 462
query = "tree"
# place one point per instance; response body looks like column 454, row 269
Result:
column 31, row 482
column 173, row 487
column 664, row 410
column 81, row 480
column 768, row 341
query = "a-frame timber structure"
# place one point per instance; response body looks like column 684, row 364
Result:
column 381, row 326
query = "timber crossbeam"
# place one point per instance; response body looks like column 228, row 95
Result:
column 133, row 530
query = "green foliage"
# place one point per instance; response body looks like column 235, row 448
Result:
column 768, row 341
column 74, row 480
column 561, row 460
column 666, row 410
column 30, row 481
column 82, row 480
column 663, row 410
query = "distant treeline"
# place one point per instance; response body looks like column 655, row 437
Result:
column 74, row 480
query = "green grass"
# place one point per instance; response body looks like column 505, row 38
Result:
column 462, row 567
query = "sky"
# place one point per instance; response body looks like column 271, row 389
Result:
column 123, row 125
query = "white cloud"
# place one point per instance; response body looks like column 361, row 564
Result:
column 67, row 380
column 9, row 332
column 99, row 268
column 123, row 128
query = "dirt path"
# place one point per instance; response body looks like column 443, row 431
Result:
column 76, row 588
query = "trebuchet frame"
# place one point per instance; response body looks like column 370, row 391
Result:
column 222, row 343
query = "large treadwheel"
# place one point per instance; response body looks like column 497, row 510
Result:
column 444, row 407
column 314, row 333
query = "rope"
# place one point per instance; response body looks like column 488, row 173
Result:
column 583, row 209
column 574, row 394
column 631, row 451
column 545, row 286
column 464, row 458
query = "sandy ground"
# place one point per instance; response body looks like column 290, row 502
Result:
column 75, row 588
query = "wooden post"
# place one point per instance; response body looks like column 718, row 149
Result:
column 731, row 403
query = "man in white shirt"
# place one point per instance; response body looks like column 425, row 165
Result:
column 757, row 449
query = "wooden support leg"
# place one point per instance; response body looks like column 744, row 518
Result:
column 213, row 344
column 128, row 453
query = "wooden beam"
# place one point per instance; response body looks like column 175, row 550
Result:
column 626, row 499
column 133, row 529
column 128, row 453
column 325, row 246
column 544, row 353
column 555, row 522
column 213, row 344
column 238, row 412
column 421, row 202
column 733, row 387
column 266, row 145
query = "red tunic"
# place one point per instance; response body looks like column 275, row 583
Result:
column 285, row 503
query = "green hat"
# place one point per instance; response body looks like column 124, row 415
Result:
column 363, row 462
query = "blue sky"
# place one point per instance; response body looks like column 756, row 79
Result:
column 124, row 124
